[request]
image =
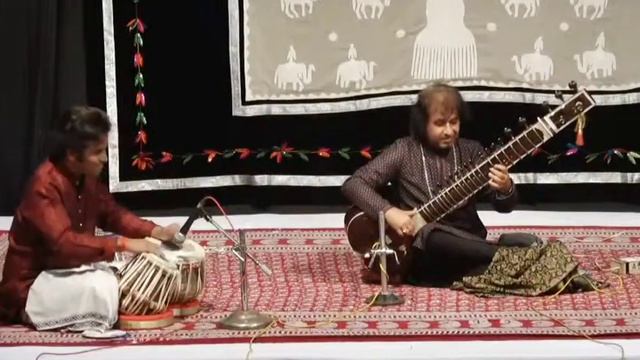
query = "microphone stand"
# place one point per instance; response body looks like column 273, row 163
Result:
column 243, row 318
column 385, row 297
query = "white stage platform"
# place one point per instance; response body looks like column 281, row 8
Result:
column 531, row 349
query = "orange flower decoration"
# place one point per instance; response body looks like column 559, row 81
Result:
column 211, row 154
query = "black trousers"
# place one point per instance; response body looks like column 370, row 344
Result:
column 447, row 258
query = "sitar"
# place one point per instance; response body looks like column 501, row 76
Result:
column 362, row 230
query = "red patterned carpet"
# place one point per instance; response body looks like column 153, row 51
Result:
column 316, row 288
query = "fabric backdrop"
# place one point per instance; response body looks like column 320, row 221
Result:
column 189, row 91
column 323, row 53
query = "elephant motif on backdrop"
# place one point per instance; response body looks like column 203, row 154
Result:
column 288, row 7
column 294, row 73
column 376, row 6
column 530, row 7
column 591, row 62
column 534, row 66
column 597, row 5
column 355, row 71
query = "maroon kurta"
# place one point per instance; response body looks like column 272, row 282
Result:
column 54, row 228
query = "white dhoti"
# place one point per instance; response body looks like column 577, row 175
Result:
column 79, row 299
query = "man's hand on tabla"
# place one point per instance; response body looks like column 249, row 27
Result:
column 165, row 233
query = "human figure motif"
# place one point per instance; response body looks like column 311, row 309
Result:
column 445, row 48
column 56, row 273
column 454, row 251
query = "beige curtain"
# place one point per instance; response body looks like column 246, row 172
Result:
column 342, row 55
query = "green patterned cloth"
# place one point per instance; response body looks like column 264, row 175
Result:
column 529, row 271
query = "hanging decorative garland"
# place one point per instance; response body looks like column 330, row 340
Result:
column 144, row 160
column 607, row 155
column 276, row 153
column 279, row 154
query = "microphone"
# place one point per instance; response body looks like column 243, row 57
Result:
column 237, row 248
column 181, row 235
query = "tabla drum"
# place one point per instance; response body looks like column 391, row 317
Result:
column 146, row 285
column 189, row 260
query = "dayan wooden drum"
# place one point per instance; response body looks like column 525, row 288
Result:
column 189, row 260
column 147, row 284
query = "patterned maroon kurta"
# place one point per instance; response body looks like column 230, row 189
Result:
column 402, row 165
column 54, row 228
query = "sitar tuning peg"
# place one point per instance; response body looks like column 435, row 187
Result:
column 522, row 122
column 508, row 133
column 558, row 95
column 573, row 86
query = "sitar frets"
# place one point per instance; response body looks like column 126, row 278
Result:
column 476, row 179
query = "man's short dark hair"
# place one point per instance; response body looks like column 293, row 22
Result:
column 419, row 116
column 78, row 127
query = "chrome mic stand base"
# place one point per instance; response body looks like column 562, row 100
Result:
column 385, row 300
column 246, row 320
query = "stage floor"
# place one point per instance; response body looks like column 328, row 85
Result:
column 494, row 349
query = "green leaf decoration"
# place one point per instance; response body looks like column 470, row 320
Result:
column 617, row 152
column 139, row 80
column 589, row 158
column 631, row 158
column 303, row 156
column 137, row 40
column 344, row 150
column 287, row 155
column 552, row 158
column 187, row 159
column 261, row 154
column 141, row 119
column 228, row 154
column 633, row 154
column 344, row 154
